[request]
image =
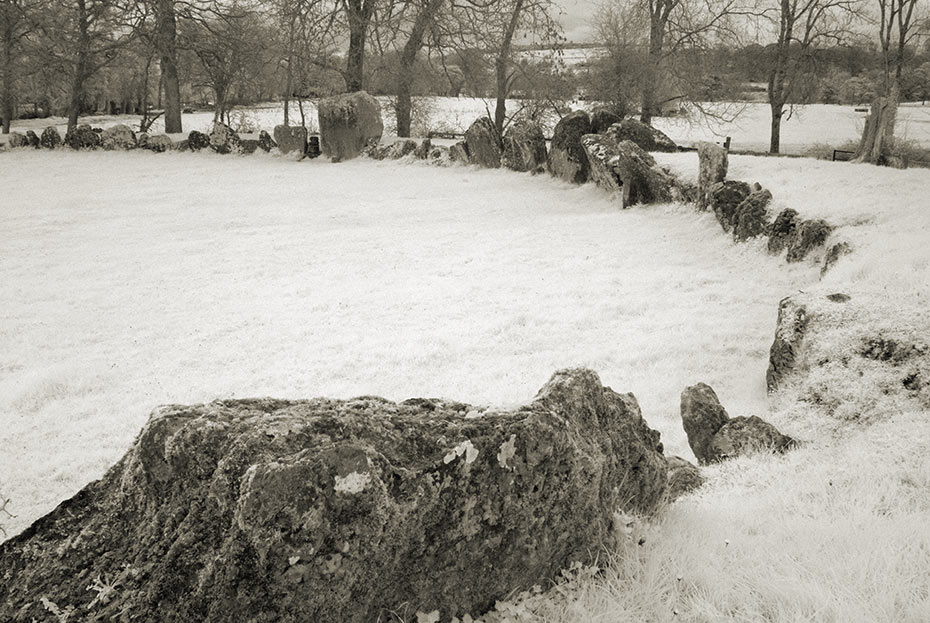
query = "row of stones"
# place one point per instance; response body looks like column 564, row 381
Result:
column 742, row 209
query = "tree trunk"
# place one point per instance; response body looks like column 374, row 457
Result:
column 359, row 16
column 778, row 110
column 166, row 33
column 80, row 66
column 6, row 83
column 500, row 69
column 657, row 21
column 403, row 106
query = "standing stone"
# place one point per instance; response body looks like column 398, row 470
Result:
column 291, row 139
column 224, row 140
column 683, row 477
column 265, row 142
column 33, row 139
column 349, row 123
column 833, row 255
column 741, row 435
column 809, row 235
column 483, row 144
column 751, row 217
column 459, row 153
column 160, row 143
column 50, row 137
column 524, row 147
column 197, row 140
column 18, row 140
column 725, row 197
column 790, row 328
column 328, row 510
column 118, row 137
column 82, row 137
column 646, row 136
column 602, row 118
column 313, row 146
column 625, row 168
column 567, row 159
column 782, row 230
column 423, row 149
column 602, row 154
column 702, row 416
column 713, row 162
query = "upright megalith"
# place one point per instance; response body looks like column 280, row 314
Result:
column 644, row 135
column 713, row 162
column 291, row 139
column 118, row 137
column 567, row 159
column 483, row 144
column 790, row 329
column 348, row 123
column 50, row 137
column 626, row 169
column 82, row 137
column 524, row 147
column 725, row 198
column 197, row 140
column 702, row 416
column 225, row 140
column 351, row 510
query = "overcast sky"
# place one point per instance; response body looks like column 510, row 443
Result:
column 576, row 17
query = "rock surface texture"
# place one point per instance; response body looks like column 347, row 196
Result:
column 118, row 137
column 82, row 137
column 790, row 328
column 50, row 137
column 808, row 236
column 742, row 435
column 361, row 510
column 683, row 477
column 646, row 136
column 224, row 140
column 713, row 162
column 291, row 139
column 483, row 145
column 702, row 416
column 602, row 118
column 751, row 216
column 348, row 123
column 567, row 159
column 197, row 140
column 625, row 168
column 725, row 198
column 782, row 231
column 524, row 147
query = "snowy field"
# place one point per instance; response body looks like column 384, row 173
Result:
column 808, row 126
column 131, row 280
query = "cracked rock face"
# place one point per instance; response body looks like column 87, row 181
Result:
column 268, row 510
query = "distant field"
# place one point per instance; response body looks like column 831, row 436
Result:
column 807, row 127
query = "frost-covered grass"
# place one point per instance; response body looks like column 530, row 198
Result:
column 136, row 279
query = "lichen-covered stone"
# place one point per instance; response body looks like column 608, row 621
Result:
column 34, row 141
column 602, row 118
column 645, row 136
column 424, row 149
column 82, row 137
column 349, row 123
column 833, row 255
column 291, row 139
column 224, row 140
column 50, row 138
column 602, row 154
column 159, row 143
column 683, row 477
column 790, row 328
column 567, row 159
column 483, row 144
column 751, row 217
column 320, row 510
column 808, row 236
column 625, row 168
column 725, row 198
column 702, row 416
column 118, row 136
column 265, row 142
column 459, row 153
column 782, row 230
column 524, row 147
column 713, row 162
column 741, row 435
column 17, row 140
column 197, row 141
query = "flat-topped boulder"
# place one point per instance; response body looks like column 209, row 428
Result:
column 119, row 137
column 646, row 136
column 352, row 510
column 349, row 123
column 483, row 144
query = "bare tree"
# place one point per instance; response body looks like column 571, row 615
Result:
column 897, row 27
column 18, row 20
column 425, row 12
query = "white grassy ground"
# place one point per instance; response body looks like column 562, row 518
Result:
column 135, row 279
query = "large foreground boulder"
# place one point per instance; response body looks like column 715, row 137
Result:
column 356, row 511
column 524, row 147
column 567, row 159
column 348, row 123
column 483, row 145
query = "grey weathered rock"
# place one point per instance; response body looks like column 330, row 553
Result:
column 118, row 137
column 247, row 144
column 224, row 140
column 423, row 150
column 833, row 255
column 789, row 332
column 646, row 136
column 313, row 146
column 751, row 216
column 160, row 143
column 741, row 435
column 265, row 142
column 782, row 231
column 142, row 140
column 602, row 118
column 725, row 197
column 291, row 139
column 401, row 148
column 197, row 141
column 33, row 139
column 713, row 162
column 82, row 137
column 624, row 167
column 459, row 153
column 809, row 235
column 321, row 510
column 683, row 477
column 602, row 153
column 567, row 159
column 524, row 147
column 702, row 416
column 483, row 144
column 348, row 123
column 17, row 140
column 50, row 138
